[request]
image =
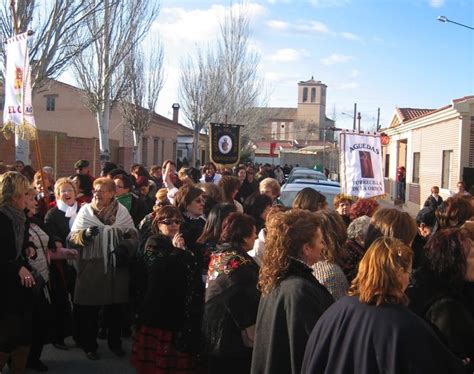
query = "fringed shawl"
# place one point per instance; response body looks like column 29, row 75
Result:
column 109, row 236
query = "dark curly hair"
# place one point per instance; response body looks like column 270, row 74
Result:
column 445, row 255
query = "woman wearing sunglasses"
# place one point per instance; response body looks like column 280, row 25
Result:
column 170, row 315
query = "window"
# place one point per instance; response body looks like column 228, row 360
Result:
column 446, row 169
column 274, row 129
column 156, row 142
column 313, row 94
column 305, row 94
column 144, row 151
column 50, row 103
column 180, row 153
column 387, row 165
column 416, row 168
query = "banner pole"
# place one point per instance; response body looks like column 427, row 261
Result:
column 36, row 140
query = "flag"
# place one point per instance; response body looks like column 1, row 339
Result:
column 18, row 112
column 361, row 165
column 225, row 143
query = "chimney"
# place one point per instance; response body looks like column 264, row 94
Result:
column 175, row 107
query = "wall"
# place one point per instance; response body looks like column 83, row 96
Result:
column 61, row 152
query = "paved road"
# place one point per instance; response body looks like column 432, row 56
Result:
column 74, row 360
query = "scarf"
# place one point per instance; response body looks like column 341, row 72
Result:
column 69, row 211
column 113, row 221
column 18, row 218
column 125, row 200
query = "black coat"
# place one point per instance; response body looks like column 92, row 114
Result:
column 431, row 202
column 285, row 319
column 14, row 296
column 174, row 294
column 446, row 309
column 57, row 225
column 352, row 338
column 232, row 301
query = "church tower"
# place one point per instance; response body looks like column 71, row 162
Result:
column 312, row 100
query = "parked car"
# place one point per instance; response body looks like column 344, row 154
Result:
column 305, row 173
column 326, row 187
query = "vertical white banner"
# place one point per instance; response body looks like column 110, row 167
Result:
column 18, row 115
column 361, row 165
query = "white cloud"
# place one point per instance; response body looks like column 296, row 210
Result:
column 314, row 26
column 281, row 78
column 335, row 59
column 436, row 3
column 288, row 54
column 355, row 73
column 351, row 36
column 278, row 25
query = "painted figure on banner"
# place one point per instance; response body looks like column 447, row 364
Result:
column 225, row 144
column 366, row 169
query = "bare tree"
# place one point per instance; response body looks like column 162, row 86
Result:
column 144, row 72
column 58, row 33
column 100, row 69
column 200, row 90
column 57, row 38
column 222, row 82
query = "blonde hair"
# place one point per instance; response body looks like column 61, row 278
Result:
column 287, row 232
column 272, row 183
column 104, row 181
column 12, row 184
column 378, row 279
column 61, row 182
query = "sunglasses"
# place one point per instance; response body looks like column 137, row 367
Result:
column 169, row 221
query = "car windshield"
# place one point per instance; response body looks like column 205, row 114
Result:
column 287, row 198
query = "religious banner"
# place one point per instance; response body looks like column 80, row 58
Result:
column 225, row 143
column 18, row 111
column 361, row 165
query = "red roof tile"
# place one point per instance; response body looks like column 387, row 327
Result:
column 407, row 114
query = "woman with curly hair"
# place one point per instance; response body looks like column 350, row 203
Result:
column 292, row 299
column 436, row 292
column 372, row 331
column 342, row 204
column 328, row 269
column 232, row 298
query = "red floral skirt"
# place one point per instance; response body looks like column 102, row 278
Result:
column 153, row 352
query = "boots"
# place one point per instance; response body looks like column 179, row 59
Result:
column 19, row 359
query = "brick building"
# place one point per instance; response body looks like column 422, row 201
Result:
column 68, row 132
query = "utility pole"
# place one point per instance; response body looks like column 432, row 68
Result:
column 378, row 119
column 358, row 122
column 354, row 117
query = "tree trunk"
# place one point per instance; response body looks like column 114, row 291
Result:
column 195, row 159
column 137, row 136
column 103, row 125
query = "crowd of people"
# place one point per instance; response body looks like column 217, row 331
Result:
column 208, row 272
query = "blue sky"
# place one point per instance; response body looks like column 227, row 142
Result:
column 378, row 53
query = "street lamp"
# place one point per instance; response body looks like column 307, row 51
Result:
column 445, row 19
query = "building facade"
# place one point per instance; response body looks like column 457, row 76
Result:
column 305, row 125
column 436, row 147
column 68, row 132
